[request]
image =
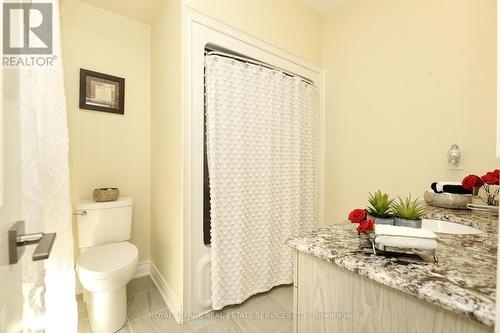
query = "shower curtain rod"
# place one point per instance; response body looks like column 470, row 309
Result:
column 256, row 62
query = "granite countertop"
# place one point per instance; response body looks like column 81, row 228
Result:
column 463, row 280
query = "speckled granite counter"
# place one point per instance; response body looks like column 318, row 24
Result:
column 463, row 280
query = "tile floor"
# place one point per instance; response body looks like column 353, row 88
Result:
column 147, row 312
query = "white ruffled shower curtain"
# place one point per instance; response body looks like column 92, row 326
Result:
column 262, row 154
column 49, row 285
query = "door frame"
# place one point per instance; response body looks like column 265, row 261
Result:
column 192, row 122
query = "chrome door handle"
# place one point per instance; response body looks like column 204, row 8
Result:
column 17, row 241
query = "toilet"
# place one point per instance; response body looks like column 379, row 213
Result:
column 107, row 260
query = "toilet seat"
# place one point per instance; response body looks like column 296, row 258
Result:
column 107, row 261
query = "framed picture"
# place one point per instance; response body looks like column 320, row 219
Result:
column 101, row 92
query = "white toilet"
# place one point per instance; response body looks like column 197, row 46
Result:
column 107, row 261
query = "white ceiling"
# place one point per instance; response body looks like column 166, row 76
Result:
column 140, row 10
column 323, row 6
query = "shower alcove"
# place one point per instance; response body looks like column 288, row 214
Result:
column 202, row 33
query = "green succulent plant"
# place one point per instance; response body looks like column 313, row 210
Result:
column 380, row 204
column 408, row 209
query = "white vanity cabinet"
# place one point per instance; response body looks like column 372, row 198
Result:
column 328, row 298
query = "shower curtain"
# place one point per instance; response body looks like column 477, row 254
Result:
column 49, row 285
column 262, row 156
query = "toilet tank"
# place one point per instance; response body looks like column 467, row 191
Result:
column 103, row 222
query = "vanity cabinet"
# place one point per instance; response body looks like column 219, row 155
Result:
column 329, row 298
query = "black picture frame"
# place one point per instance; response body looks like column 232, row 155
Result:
column 98, row 92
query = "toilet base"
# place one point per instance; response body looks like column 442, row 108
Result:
column 107, row 311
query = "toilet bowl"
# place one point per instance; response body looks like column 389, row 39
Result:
column 107, row 260
column 104, row 272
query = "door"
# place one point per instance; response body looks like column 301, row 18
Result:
column 11, row 276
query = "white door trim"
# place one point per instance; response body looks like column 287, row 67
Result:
column 190, row 146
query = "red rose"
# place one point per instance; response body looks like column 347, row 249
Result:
column 366, row 225
column 472, row 181
column 357, row 215
column 491, row 178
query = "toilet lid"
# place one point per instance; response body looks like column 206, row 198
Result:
column 107, row 261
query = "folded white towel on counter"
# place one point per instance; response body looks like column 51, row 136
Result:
column 439, row 185
column 404, row 237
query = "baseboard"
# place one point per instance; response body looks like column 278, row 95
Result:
column 143, row 269
column 168, row 295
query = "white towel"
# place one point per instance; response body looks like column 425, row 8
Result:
column 439, row 185
column 404, row 237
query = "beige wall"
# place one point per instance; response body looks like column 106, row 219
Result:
column 405, row 80
column 166, row 157
column 108, row 149
column 286, row 24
